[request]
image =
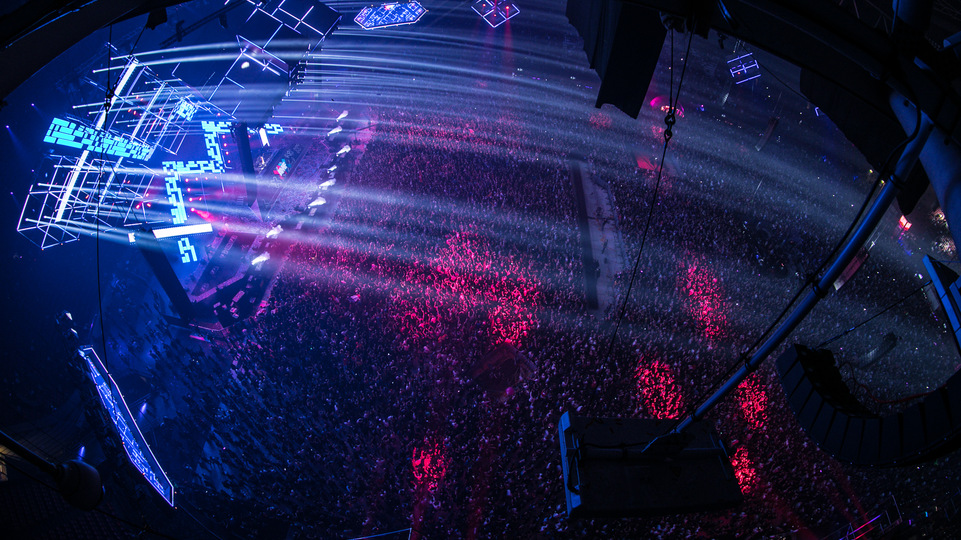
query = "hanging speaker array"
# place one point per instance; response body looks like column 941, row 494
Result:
column 843, row 427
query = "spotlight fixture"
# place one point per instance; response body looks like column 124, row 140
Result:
column 275, row 232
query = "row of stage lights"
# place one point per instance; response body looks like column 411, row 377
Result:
column 320, row 200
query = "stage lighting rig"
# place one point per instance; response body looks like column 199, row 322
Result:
column 391, row 14
column 495, row 12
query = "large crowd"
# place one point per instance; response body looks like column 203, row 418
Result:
column 346, row 406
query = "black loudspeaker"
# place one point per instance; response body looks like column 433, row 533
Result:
column 623, row 42
column 846, row 429
column 612, row 469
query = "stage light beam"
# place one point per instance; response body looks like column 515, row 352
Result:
column 182, row 230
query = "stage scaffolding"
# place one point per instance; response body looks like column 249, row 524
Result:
column 96, row 181
column 105, row 197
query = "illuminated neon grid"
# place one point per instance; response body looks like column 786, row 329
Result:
column 133, row 440
column 149, row 109
column 39, row 228
column 386, row 15
column 494, row 12
column 741, row 67
column 287, row 14
column 249, row 51
column 81, row 137
column 104, row 197
column 85, row 195
column 216, row 162
column 279, row 35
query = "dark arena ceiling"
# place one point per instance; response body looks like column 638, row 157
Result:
column 346, row 282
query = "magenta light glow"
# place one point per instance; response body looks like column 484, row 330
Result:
column 467, row 279
column 658, row 391
column 705, row 300
column 744, row 470
column 753, row 401
column 429, row 465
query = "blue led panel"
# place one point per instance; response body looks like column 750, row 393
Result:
column 393, row 14
column 273, row 129
column 175, row 196
column 177, row 169
column 133, row 441
column 216, row 162
column 81, row 137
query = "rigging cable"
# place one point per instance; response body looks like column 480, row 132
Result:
column 876, row 399
column 811, row 278
column 872, row 317
column 108, row 97
column 669, row 120
column 108, row 101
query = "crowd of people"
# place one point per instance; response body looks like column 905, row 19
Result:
column 346, row 406
column 348, row 401
column 432, row 261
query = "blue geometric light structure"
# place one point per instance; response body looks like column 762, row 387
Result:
column 105, row 199
column 392, row 14
column 81, row 137
column 97, row 191
column 495, row 12
column 175, row 170
column 273, row 46
column 133, row 440
column 741, row 68
column 216, row 162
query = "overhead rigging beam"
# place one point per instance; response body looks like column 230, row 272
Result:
column 908, row 159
